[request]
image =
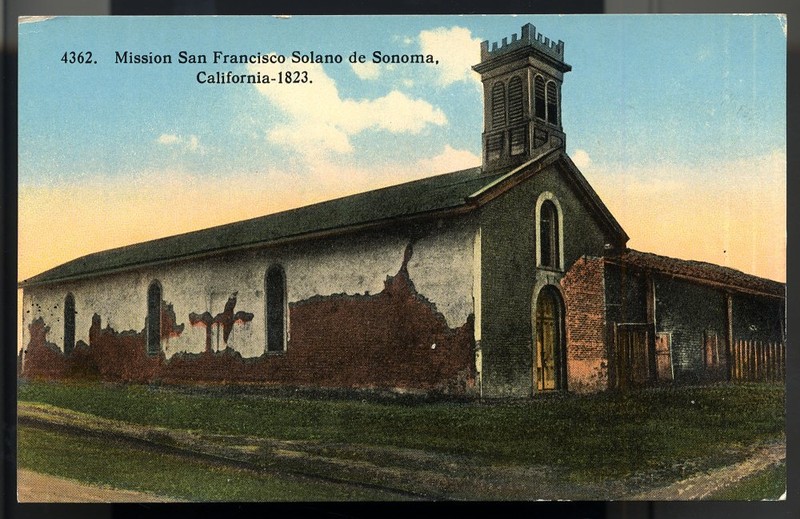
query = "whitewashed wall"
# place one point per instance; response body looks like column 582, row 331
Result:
column 441, row 268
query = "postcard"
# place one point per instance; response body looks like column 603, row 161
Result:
column 379, row 258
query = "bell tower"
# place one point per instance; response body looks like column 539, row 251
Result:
column 521, row 98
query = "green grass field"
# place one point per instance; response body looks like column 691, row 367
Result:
column 115, row 464
column 591, row 437
column 768, row 484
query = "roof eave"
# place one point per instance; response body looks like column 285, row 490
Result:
column 728, row 287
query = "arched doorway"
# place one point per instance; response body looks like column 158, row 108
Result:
column 550, row 363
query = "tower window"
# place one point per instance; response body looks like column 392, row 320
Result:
column 275, row 290
column 69, row 324
column 552, row 103
column 498, row 105
column 516, row 112
column 154, row 318
column 538, row 90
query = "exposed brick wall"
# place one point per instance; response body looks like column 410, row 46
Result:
column 110, row 355
column 584, row 298
column 391, row 340
column 42, row 359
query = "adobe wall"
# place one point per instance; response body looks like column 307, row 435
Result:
column 688, row 312
column 380, row 309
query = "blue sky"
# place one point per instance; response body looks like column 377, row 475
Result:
column 677, row 121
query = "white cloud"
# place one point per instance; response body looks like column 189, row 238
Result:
column 168, row 139
column 366, row 70
column 190, row 143
column 321, row 121
column 449, row 160
column 581, row 159
column 308, row 137
column 456, row 49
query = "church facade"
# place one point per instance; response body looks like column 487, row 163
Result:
column 507, row 279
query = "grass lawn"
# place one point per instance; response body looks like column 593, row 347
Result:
column 769, row 484
column 105, row 462
column 592, row 438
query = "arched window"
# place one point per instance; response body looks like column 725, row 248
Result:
column 548, row 234
column 498, row 105
column 550, row 369
column 552, row 103
column 154, row 318
column 69, row 324
column 275, row 290
column 538, row 91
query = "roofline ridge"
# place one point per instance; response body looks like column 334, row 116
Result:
column 701, row 262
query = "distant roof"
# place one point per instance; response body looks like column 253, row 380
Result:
column 700, row 271
column 459, row 190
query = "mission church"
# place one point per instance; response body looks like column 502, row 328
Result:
column 505, row 280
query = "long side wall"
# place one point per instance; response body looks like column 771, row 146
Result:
column 383, row 310
column 587, row 355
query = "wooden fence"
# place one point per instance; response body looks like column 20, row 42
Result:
column 758, row 361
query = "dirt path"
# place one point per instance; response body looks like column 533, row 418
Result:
column 33, row 487
column 703, row 485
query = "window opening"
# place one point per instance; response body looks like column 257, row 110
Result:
column 69, row 324
column 154, row 318
column 276, row 309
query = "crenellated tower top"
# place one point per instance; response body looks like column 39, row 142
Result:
column 522, row 97
column 528, row 37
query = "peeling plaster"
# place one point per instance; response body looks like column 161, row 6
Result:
column 449, row 284
column 394, row 339
column 224, row 320
column 355, row 264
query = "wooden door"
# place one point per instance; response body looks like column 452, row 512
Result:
column 632, row 355
column 549, row 365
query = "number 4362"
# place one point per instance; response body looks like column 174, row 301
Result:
column 77, row 57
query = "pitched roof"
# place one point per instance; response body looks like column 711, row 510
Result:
column 700, row 271
column 459, row 190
